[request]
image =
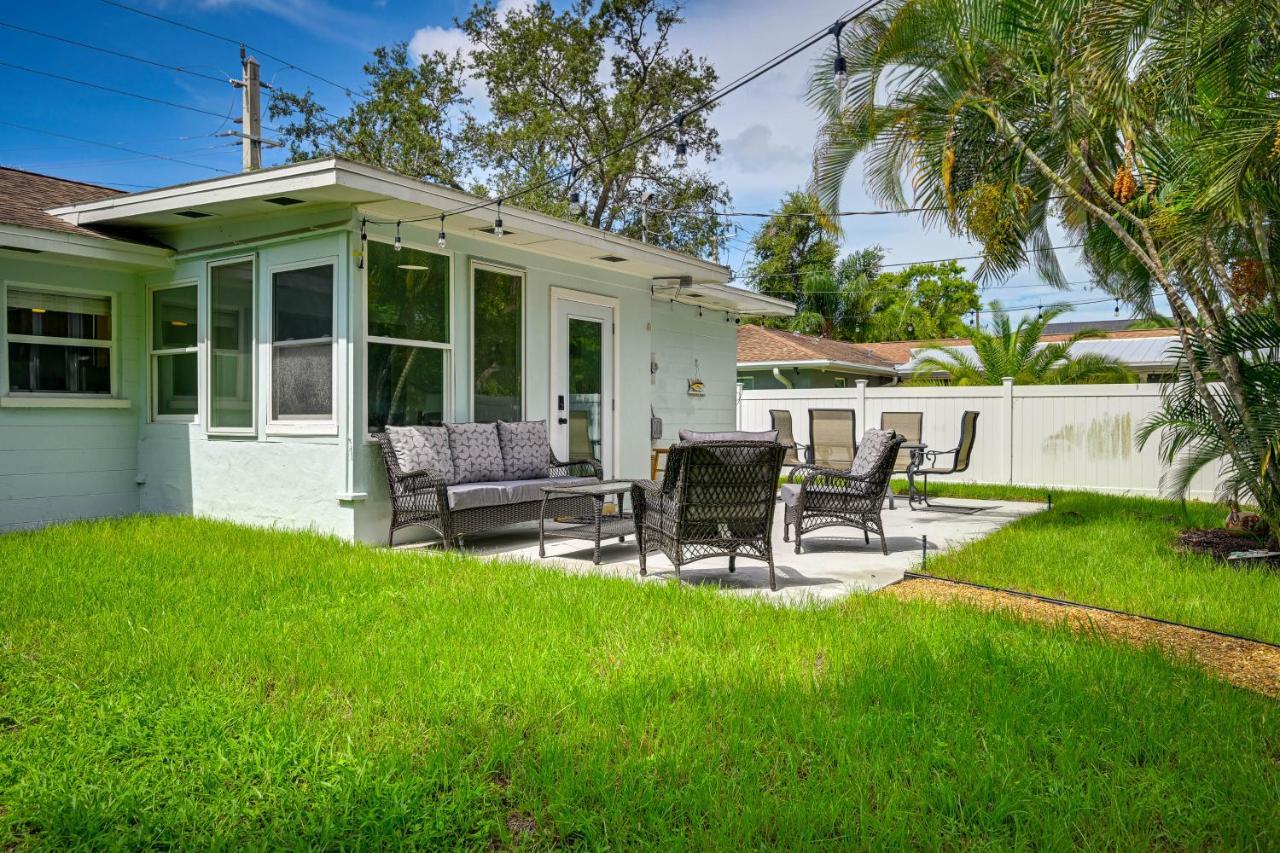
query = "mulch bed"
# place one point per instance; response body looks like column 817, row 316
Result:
column 1245, row 663
column 1218, row 543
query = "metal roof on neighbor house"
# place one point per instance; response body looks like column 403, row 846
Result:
column 1147, row 351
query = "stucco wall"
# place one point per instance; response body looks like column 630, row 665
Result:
column 63, row 463
column 691, row 344
column 764, row 380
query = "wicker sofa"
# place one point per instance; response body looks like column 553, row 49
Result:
column 459, row 479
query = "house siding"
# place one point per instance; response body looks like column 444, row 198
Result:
column 764, row 380
column 58, row 464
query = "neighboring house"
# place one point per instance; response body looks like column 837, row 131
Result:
column 773, row 358
column 1147, row 352
column 225, row 347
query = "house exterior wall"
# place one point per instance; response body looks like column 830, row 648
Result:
column 764, row 380
column 81, row 461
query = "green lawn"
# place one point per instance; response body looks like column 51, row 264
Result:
column 180, row 682
column 1115, row 552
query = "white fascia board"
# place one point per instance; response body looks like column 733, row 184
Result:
column 818, row 364
column 84, row 248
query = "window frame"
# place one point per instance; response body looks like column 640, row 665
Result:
column 748, row 383
column 153, row 354
column 839, row 382
column 447, row 407
column 112, row 346
column 523, row 275
column 300, row 426
column 206, row 372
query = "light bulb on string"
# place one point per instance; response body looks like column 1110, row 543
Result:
column 682, row 145
column 440, row 240
column 398, row 244
column 497, row 222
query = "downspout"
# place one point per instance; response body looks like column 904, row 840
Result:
column 786, row 383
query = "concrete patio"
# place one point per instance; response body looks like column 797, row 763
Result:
column 835, row 561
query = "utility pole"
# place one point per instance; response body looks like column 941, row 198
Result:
column 250, row 114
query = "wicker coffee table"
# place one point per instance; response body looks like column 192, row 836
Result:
column 596, row 528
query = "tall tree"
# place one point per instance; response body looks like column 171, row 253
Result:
column 564, row 90
column 795, row 244
column 923, row 301
column 839, row 304
column 1017, row 351
column 1147, row 129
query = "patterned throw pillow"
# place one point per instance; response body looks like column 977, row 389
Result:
column 422, row 448
column 871, row 451
column 526, row 453
column 477, row 457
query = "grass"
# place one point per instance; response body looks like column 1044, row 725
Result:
column 1117, row 552
column 179, row 682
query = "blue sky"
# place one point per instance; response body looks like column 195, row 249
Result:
column 766, row 128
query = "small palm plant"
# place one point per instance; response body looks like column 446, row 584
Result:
column 1017, row 351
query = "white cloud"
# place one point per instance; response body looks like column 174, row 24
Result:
column 451, row 40
column 753, row 151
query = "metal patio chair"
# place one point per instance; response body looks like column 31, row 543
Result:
column 780, row 420
column 716, row 498
column 960, row 456
column 909, row 425
column 853, row 497
column 833, row 441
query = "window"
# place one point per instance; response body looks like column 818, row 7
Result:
column 174, row 359
column 231, row 317
column 409, row 339
column 841, row 382
column 302, row 337
column 748, row 383
column 497, row 363
column 58, row 343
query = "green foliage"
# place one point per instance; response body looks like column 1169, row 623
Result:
column 1017, row 351
column 564, row 89
column 171, row 682
column 921, row 302
column 797, row 242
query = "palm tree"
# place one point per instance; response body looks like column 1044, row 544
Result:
column 1017, row 351
column 1148, row 130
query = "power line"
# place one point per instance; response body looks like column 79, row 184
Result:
column 748, row 276
column 708, row 101
column 113, row 91
column 286, row 63
column 113, row 145
column 111, row 52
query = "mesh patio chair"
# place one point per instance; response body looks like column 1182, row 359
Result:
column 780, row 420
column 909, row 425
column 854, row 497
column 833, row 439
column 960, row 455
column 716, row 498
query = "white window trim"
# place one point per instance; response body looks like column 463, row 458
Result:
column 471, row 330
column 153, row 353
column 362, row 329
column 60, row 399
column 301, row 426
column 206, row 373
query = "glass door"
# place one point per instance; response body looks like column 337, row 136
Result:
column 582, row 381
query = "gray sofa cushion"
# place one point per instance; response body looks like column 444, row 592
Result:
column 526, row 452
column 499, row 492
column 730, row 435
column 477, row 456
column 422, row 448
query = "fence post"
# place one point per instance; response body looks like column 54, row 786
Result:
column 1006, row 418
column 862, row 403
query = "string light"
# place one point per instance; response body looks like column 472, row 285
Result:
column 364, row 243
column 575, row 197
column 682, row 145
column 1117, row 311
column 398, row 244
column 840, row 67
column 440, row 240
column 497, row 222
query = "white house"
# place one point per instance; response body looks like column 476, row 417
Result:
column 226, row 347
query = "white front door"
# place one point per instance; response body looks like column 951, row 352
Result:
column 582, row 412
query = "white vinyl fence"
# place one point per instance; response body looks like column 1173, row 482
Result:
column 1054, row 436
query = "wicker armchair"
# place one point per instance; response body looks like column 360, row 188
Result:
column 716, row 498
column 825, row 497
column 421, row 499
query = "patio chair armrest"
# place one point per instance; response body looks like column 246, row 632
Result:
column 646, row 495
column 804, row 473
column 575, row 468
column 934, row 454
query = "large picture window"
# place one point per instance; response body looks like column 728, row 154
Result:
column 497, row 364
column 174, row 355
column 302, row 344
column 408, row 336
column 58, row 343
column 231, row 322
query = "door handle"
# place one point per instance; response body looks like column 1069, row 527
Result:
column 562, row 421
